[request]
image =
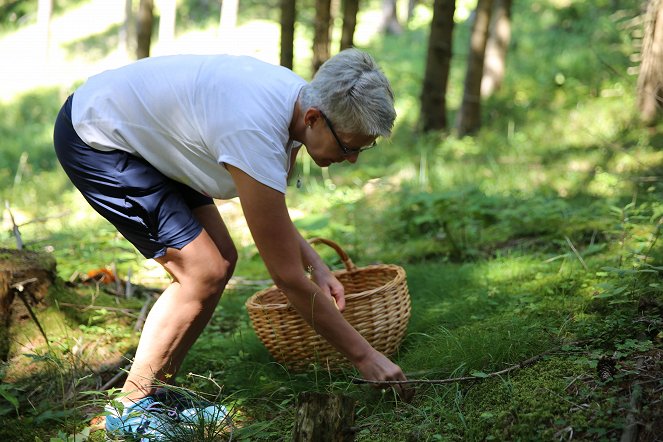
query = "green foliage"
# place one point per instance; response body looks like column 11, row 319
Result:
column 540, row 234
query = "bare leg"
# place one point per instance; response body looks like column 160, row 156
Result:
column 200, row 273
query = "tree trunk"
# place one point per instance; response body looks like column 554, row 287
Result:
column 650, row 79
column 350, row 9
column 321, row 38
column 288, row 16
column 44, row 15
column 167, row 19
column 438, row 61
column 144, row 28
column 127, row 28
column 322, row 417
column 389, row 23
column 32, row 273
column 469, row 116
column 228, row 19
column 497, row 46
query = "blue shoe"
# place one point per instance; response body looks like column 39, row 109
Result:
column 191, row 409
column 145, row 420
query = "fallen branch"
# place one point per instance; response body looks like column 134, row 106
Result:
column 127, row 311
column 19, row 287
column 522, row 364
column 143, row 315
column 17, row 233
column 582, row 261
column 117, row 378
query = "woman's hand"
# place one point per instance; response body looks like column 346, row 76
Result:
column 377, row 367
column 330, row 286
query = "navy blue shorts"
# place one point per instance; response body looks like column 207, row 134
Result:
column 149, row 209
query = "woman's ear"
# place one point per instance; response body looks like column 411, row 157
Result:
column 311, row 116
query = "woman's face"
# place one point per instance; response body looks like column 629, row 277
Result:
column 326, row 146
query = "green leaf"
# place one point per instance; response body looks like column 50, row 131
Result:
column 479, row 374
column 4, row 392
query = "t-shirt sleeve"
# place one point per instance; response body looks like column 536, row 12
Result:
column 256, row 154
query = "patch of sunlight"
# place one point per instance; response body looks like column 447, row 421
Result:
column 258, row 38
column 606, row 184
column 28, row 63
column 506, row 269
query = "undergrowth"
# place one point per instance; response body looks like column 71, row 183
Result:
column 537, row 238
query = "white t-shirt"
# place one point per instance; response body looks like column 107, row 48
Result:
column 188, row 115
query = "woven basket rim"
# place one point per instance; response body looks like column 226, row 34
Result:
column 252, row 301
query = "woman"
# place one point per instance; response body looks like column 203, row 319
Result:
column 150, row 144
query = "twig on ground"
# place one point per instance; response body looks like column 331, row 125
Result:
column 19, row 287
column 522, row 364
column 143, row 314
column 127, row 311
column 17, row 233
column 117, row 378
column 582, row 261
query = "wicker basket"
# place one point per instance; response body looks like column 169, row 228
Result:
column 377, row 306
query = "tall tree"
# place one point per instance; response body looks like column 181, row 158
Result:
column 144, row 28
column 497, row 47
column 228, row 18
column 44, row 15
column 469, row 115
column 127, row 29
column 389, row 22
column 167, row 19
column 288, row 15
column 650, row 78
column 321, row 37
column 350, row 9
column 438, row 61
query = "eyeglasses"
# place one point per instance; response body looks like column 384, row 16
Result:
column 347, row 151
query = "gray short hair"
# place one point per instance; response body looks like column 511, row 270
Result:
column 353, row 92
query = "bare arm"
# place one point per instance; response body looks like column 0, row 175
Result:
column 282, row 250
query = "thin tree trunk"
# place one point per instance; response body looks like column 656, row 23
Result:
column 350, row 9
column 469, row 116
column 127, row 28
column 389, row 23
column 288, row 15
column 438, row 61
column 144, row 28
column 44, row 15
column 497, row 47
column 650, row 79
column 321, row 38
column 167, row 18
column 228, row 18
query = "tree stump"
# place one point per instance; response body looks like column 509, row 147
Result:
column 32, row 274
column 324, row 418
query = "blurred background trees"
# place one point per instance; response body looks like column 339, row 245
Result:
column 484, row 51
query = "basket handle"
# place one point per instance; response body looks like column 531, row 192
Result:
column 347, row 262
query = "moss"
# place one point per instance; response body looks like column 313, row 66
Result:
column 524, row 406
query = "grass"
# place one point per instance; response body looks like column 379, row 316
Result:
column 538, row 236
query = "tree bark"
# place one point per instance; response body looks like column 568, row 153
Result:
column 322, row 417
column 350, row 10
column 288, row 15
column 127, row 28
column 144, row 28
column 438, row 62
column 21, row 269
column 650, row 78
column 469, row 116
column 497, row 47
column 321, row 37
